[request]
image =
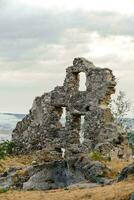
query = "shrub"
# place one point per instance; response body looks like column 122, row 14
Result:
column 131, row 140
column 120, row 108
column 6, row 148
column 96, row 155
column 3, row 190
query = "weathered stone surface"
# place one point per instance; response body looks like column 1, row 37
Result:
column 129, row 170
column 6, row 182
column 56, row 174
column 59, row 174
column 53, row 175
column 132, row 196
column 7, row 178
column 104, row 148
column 42, row 128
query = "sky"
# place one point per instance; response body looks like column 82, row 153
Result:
column 39, row 39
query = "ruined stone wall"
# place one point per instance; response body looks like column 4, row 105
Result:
column 42, row 128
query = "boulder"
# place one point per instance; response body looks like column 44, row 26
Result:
column 63, row 173
column 132, row 196
column 129, row 170
column 56, row 174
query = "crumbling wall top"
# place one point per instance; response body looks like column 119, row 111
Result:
column 80, row 65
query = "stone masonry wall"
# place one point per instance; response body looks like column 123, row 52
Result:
column 42, row 128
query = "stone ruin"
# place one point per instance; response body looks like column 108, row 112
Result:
column 42, row 127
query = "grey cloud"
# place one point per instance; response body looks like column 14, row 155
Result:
column 24, row 32
column 49, row 25
column 46, row 41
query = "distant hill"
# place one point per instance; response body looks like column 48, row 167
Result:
column 8, row 120
column 14, row 114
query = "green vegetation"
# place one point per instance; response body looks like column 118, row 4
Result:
column 131, row 140
column 6, row 148
column 96, row 155
column 120, row 108
column 3, row 190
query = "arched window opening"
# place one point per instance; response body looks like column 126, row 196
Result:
column 63, row 117
column 82, row 81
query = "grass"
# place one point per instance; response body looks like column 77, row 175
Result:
column 115, row 166
column 117, row 191
column 15, row 161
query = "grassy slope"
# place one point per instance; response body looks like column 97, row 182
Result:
column 117, row 191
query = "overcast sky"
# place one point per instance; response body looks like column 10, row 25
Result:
column 40, row 38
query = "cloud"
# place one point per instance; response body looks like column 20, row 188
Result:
column 26, row 35
column 38, row 44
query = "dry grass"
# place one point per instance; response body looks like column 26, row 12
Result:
column 117, row 191
column 15, row 161
column 116, row 165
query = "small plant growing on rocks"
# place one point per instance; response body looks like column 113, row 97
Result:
column 96, row 155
